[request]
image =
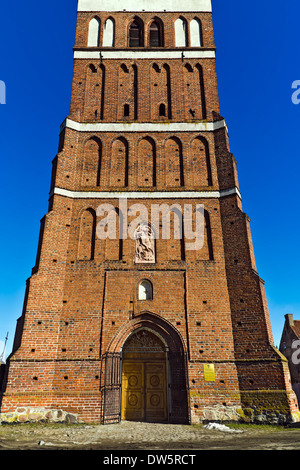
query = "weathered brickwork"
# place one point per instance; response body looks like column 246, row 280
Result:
column 82, row 300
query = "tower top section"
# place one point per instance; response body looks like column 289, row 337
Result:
column 145, row 5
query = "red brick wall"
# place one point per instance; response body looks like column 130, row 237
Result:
column 168, row 86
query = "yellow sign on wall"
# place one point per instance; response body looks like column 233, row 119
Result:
column 209, row 373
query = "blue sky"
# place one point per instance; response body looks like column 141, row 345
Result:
column 258, row 59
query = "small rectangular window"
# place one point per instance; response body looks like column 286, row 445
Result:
column 126, row 110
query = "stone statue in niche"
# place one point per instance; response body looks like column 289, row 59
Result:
column 144, row 245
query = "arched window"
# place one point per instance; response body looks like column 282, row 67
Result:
column 155, row 39
column 176, row 245
column 110, row 229
column 126, row 110
column 174, row 163
column 136, row 34
column 162, row 110
column 109, row 33
column 145, row 290
column 161, row 105
column 94, row 32
column 181, row 32
column 92, row 162
column 94, row 93
column 86, row 246
column 146, row 162
column 196, row 33
column 200, row 163
column 119, row 163
column 194, row 92
column 128, row 92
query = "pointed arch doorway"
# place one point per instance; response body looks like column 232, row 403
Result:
column 145, row 339
column 145, row 378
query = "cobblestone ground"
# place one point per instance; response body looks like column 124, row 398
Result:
column 144, row 436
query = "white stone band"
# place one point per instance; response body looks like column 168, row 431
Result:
column 145, row 194
column 151, row 55
column 145, row 5
column 143, row 126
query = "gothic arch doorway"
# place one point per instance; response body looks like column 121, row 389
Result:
column 146, row 339
column 145, row 378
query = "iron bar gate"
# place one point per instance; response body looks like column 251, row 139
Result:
column 111, row 389
column 179, row 388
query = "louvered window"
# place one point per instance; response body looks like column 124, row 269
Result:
column 135, row 35
column 155, row 35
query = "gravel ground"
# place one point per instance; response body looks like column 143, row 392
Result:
column 144, row 436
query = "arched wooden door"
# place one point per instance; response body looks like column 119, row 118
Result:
column 144, row 378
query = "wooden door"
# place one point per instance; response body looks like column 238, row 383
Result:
column 133, row 391
column 155, row 392
column 144, row 391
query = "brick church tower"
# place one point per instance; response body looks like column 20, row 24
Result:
column 145, row 327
